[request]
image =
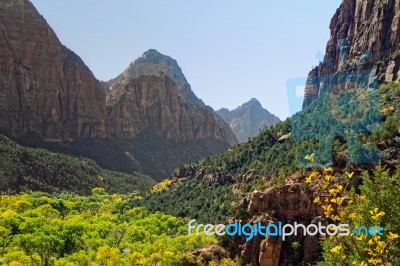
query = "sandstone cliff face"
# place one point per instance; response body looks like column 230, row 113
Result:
column 247, row 120
column 152, row 94
column 44, row 87
column 287, row 205
column 363, row 47
column 154, row 102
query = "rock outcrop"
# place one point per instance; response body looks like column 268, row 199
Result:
column 287, row 205
column 363, row 47
column 247, row 120
column 44, row 87
column 153, row 94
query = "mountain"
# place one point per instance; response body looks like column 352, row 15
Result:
column 45, row 88
column 152, row 94
column 147, row 122
column 151, row 63
column 247, row 120
column 363, row 48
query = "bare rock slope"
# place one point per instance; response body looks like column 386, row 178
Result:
column 363, row 47
column 44, row 87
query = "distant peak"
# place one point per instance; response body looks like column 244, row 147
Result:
column 152, row 53
column 253, row 100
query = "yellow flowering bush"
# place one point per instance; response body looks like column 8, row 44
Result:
column 366, row 208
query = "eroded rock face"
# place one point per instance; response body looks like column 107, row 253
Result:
column 154, row 102
column 363, row 47
column 44, row 87
column 287, row 205
column 152, row 94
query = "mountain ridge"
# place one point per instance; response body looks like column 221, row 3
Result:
column 50, row 99
column 248, row 119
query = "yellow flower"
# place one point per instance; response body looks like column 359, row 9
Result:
column 328, row 209
column 328, row 177
column 380, row 246
column 392, row 236
column 310, row 157
column 375, row 214
column 309, row 179
column 349, row 175
column 362, row 197
column 338, row 201
column 377, row 261
column 316, row 200
column 361, row 237
column 335, row 249
column 352, row 215
column 332, row 191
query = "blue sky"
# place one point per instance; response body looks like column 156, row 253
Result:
column 230, row 51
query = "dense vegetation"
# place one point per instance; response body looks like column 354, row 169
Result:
column 67, row 230
column 325, row 131
column 375, row 205
column 23, row 169
column 191, row 198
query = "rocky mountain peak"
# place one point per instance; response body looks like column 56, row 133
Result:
column 153, row 94
column 247, row 119
column 253, row 102
column 153, row 62
column 155, row 55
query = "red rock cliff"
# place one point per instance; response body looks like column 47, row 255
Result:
column 363, row 46
column 44, row 87
column 153, row 94
column 154, row 103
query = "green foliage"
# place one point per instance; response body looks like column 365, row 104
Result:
column 260, row 155
column 327, row 128
column 101, row 229
column 23, row 169
column 192, row 198
column 375, row 205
